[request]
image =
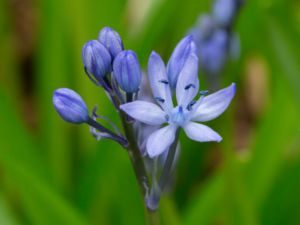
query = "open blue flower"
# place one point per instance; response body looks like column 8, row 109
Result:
column 187, row 112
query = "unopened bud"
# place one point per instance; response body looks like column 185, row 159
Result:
column 70, row 106
column 111, row 40
column 127, row 71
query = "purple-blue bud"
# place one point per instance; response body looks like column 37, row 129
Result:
column 206, row 26
column 213, row 52
column 70, row 106
column 127, row 71
column 203, row 29
column 111, row 40
column 224, row 11
column 96, row 59
column 182, row 51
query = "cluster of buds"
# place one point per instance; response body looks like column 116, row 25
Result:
column 151, row 119
column 214, row 37
column 110, row 67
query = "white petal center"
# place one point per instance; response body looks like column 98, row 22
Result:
column 178, row 116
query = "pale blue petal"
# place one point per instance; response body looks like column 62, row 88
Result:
column 160, row 140
column 178, row 58
column 188, row 82
column 159, row 81
column 201, row 133
column 145, row 112
column 214, row 105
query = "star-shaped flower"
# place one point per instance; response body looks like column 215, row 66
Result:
column 187, row 112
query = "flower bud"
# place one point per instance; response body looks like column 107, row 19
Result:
column 213, row 52
column 224, row 11
column 206, row 26
column 127, row 71
column 70, row 106
column 96, row 59
column 178, row 58
column 111, row 40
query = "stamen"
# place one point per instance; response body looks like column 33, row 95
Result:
column 180, row 109
column 167, row 117
column 205, row 92
column 189, row 86
column 159, row 99
column 190, row 105
column 164, row 82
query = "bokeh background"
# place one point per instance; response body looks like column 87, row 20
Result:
column 52, row 172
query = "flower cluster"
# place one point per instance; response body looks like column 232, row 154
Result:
column 214, row 38
column 153, row 107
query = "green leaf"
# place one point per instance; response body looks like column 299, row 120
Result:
column 6, row 215
column 168, row 212
column 24, row 168
column 285, row 51
column 205, row 206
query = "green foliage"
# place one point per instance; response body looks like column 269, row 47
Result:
column 56, row 173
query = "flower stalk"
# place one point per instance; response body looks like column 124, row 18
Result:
column 135, row 156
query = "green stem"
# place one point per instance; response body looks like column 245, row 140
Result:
column 113, row 136
column 135, row 156
column 137, row 163
column 152, row 217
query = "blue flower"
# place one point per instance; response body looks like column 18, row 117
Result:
column 70, row 106
column 203, row 29
column 187, row 112
column 127, row 71
column 178, row 58
column 111, row 40
column 213, row 52
column 224, row 11
column 96, row 59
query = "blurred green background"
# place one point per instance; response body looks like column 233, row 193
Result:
column 52, row 172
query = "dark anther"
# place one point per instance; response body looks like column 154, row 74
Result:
column 203, row 92
column 167, row 117
column 190, row 105
column 189, row 86
column 180, row 109
column 159, row 99
column 164, row 81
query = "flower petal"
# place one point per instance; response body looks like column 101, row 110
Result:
column 178, row 58
column 160, row 140
column 188, row 82
column 145, row 112
column 159, row 81
column 201, row 133
column 215, row 104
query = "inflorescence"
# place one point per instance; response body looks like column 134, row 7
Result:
column 153, row 106
column 215, row 39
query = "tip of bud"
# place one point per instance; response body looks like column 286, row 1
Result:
column 96, row 59
column 111, row 40
column 188, row 38
column 224, row 11
column 181, row 53
column 70, row 106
